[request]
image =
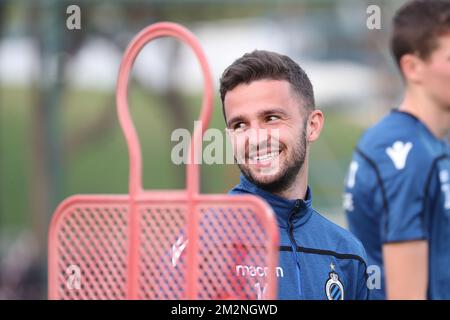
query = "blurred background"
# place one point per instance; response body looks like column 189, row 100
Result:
column 59, row 133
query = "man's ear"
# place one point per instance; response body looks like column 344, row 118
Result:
column 411, row 66
column 314, row 125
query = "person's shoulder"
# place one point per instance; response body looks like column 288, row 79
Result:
column 339, row 240
column 398, row 141
column 395, row 126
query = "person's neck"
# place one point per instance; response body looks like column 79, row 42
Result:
column 435, row 117
column 298, row 189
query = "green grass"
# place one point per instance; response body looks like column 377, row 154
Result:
column 101, row 166
column 14, row 155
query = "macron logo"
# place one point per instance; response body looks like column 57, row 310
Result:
column 177, row 250
column 399, row 153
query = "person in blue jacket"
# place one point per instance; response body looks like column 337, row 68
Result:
column 397, row 191
column 268, row 105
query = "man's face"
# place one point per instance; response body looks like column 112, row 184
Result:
column 267, row 126
column 436, row 73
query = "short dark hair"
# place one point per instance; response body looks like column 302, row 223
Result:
column 261, row 64
column 417, row 25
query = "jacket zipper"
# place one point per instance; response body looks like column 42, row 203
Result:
column 294, row 246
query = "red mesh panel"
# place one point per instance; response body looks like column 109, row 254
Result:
column 232, row 240
column 235, row 256
column 162, row 242
column 91, row 239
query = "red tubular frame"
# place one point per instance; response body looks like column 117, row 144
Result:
column 163, row 29
column 158, row 30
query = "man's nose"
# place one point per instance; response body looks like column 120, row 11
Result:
column 258, row 129
column 258, row 134
column 258, row 125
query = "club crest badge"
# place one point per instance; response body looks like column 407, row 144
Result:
column 333, row 287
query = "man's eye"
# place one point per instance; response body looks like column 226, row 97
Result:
column 273, row 118
column 239, row 126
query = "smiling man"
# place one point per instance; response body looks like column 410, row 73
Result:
column 266, row 95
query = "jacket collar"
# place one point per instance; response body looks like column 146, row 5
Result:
column 298, row 211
